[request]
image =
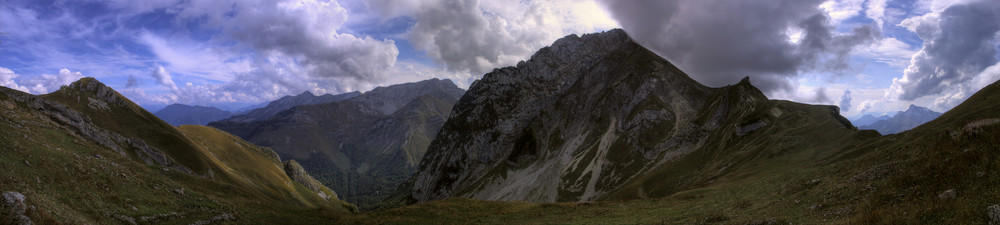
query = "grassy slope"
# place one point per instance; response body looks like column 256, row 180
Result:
column 862, row 179
column 72, row 180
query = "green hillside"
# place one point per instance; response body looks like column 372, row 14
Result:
column 98, row 160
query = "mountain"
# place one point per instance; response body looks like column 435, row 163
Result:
column 179, row 114
column 287, row 102
column 87, row 155
column 362, row 147
column 913, row 116
column 868, row 119
column 599, row 117
column 615, row 135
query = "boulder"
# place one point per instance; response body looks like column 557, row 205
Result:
column 994, row 213
column 949, row 194
column 13, row 209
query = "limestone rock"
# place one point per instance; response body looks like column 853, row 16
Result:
column 14, row 209
column 949, row 194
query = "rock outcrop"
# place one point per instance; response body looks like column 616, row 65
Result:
column 14, row 209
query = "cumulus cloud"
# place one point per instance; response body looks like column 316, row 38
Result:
column 845, row 101
column 476, row 36
column 307, row 30
column 959, row 43
column 46, row 83
column 720, row 41
column 7, row 80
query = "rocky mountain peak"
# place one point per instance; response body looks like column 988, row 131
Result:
column 914, row 108
column 96, row 88
column 597, row 87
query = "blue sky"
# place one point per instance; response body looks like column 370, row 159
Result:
column 887, row 54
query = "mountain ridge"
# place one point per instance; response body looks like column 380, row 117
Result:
column 913, row 116
column 180, row 114
column 362, row 147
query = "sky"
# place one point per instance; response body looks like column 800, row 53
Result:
column 865, row 56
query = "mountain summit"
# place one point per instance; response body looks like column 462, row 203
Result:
column 913, row 116
column 596, row 117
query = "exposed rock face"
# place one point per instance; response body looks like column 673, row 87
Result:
column 287, row 102
column 295, row 171
column 993, row 212
column 363, row 147
column 584, row 117
column 14, row 209
column 913, row 116
column 178, row 114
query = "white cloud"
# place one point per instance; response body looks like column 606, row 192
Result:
column 163, row 77
column 890, row 51
column 840, row 10
column 7, row 80
column 875, row 9
column 46, row 83
column 475, row 36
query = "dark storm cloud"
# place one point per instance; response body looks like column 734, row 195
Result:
column 720, row 41
column 959, row 43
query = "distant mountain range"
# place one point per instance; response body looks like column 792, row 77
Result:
column 179, row 114
column 913, row 116
column 363, row 147
column 868, row 119
column 287, row 102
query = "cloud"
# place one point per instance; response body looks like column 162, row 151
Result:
column 890, row 51
column 163, row 77
column 845, row 101
column 959, row 43
column 875, row 9
column 840, row 10
column 132, row 82
column 718, row 42
column 477, row 36
column 306, row 30
column 46, row 83
column 7, row 80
